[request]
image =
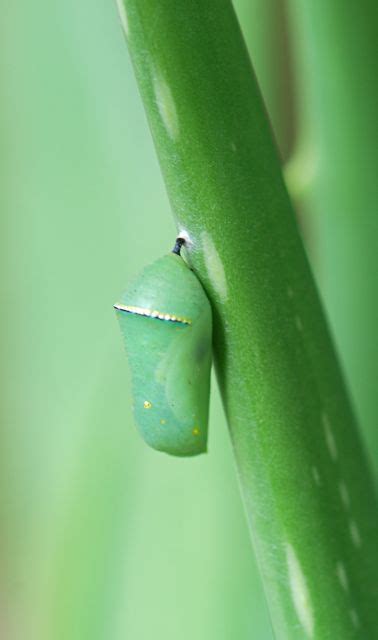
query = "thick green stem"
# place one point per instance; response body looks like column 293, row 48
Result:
column 264, row 27
column 307, row 490
column 334, row 174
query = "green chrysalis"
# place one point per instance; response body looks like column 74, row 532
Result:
column 165, row 319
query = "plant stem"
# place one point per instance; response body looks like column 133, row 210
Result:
column 306, row 486
column 265, row 30
column 338, row 141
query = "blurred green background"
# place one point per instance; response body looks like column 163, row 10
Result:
column 102, row 538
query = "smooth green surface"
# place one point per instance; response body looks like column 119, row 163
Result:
column 265, row 30
column 101, row 537
column 307, row 490
column 169, row 352
column 333, row 175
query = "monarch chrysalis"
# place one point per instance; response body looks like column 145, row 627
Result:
column 165, row 319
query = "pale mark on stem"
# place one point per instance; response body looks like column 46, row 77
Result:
column 355, row 619
column 166, row 105
column 344, row 494
column 214, row 266
column 330, row 438
column 298, row 323
column 355, row 534
column 342, row 576
column 316, row 476
column 299, row 591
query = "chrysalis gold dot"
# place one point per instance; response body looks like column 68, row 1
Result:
column 147, row 404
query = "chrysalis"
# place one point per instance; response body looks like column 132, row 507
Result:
column 165, row 319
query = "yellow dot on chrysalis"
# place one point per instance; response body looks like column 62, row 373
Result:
column 196, row 431
column 162, row 421
column 147, row 404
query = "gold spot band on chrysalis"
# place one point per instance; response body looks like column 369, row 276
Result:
column 149, row 313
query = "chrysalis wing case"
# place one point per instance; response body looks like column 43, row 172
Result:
column 165, row 319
